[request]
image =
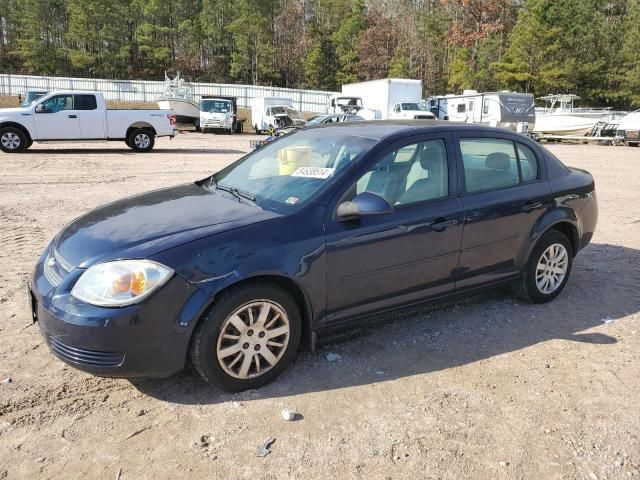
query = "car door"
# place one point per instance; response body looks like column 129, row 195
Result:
column 56, row 119
column 504, row 195
column 91, row 119
column 377, row 262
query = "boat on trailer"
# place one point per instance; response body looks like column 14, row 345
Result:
column 561, row 117
column 178, row 96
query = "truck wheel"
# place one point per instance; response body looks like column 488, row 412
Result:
column 140, row 140
column 255, row 127
column 13, row 140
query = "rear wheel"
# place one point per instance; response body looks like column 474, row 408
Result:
column 13, row 140
column 140, row 140
column 547, row 270
column 248, row 338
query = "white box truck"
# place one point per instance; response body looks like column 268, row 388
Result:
column 268, row 113
column 389, row 98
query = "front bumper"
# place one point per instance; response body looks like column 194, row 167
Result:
column 142, row 340
column 210, row 123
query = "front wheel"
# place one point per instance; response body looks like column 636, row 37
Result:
column 547, row 270
column 140, row 140
column 13, row 140
column 248, row 338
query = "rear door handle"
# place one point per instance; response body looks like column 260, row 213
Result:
column 441, row 224
column 73, row 116
column 531, row 205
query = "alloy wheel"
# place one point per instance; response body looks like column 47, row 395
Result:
column 10, row 141
column 142, row 140
column 552, row 268
column 253, row 339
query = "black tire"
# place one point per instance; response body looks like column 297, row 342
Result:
column 526, row 287
column 141, row 140
column 205, row 339
column 258, row 132
column 13, row 140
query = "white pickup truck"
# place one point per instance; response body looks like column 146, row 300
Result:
column 81, row 116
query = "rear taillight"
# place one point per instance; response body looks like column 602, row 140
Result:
column 172, row 119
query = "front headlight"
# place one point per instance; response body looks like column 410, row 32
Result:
column 121, row 282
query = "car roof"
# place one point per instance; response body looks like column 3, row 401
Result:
column 380, row 129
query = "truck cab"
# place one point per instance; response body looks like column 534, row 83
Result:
column 410, row 111
column 216, row 113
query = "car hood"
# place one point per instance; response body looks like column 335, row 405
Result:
column 143, row 225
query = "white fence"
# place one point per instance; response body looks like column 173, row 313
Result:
column 147, row 91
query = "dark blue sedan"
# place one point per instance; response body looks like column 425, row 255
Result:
column 317, row 230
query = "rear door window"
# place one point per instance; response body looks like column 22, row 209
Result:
column 489, row 164
column 85, row 102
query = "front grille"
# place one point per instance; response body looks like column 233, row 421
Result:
column 55, row 268
column 81, row 356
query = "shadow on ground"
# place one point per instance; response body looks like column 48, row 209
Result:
column 447, row 335
column 128, row 151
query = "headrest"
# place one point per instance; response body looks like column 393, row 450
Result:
column 432, row 155
column 498, row 161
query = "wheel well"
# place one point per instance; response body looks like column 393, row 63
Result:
column 570, row 231
column 290, row 287
column 142, row 125
column 18, row 126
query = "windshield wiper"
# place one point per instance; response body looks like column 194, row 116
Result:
column 239, row 194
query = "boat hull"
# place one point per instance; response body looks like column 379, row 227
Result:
column 566, row 124
column 185, row 110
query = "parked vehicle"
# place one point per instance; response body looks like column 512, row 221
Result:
column 562, row 117
column 629, row 129
column 237, row 123
column 411, row 111
column 381, row 96
column 512, row 110
column 314, row 231
column 216, row 114
column 81, row 116
column 270, row 113
column 342, row 104
column 332, row 118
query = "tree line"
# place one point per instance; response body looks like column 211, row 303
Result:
column 587, row 47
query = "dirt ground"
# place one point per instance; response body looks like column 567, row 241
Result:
column 487, row 388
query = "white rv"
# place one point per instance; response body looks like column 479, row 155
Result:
column 268, row 113
column 381, row 97
column 629, row 129
column 511, row 110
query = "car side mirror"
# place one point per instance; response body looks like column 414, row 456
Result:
column 363, row 205
column 41, row 109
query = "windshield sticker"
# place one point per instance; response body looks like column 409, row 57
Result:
column 313, row 172
column 292, row 200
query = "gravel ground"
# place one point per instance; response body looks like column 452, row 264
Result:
column 488, row 387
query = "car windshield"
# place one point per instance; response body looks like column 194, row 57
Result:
column 292, row 170
column 351, row 101
column 413, row 106
column 215, row 106
column 316, row 119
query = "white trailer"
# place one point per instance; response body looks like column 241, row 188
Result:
column 381, row 96
column 511, row 110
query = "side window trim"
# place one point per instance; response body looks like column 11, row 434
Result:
column 536, row 159
column 461, row 179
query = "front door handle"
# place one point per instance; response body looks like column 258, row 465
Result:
column 441, row 224
column 531, row 205
column 73, row 116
